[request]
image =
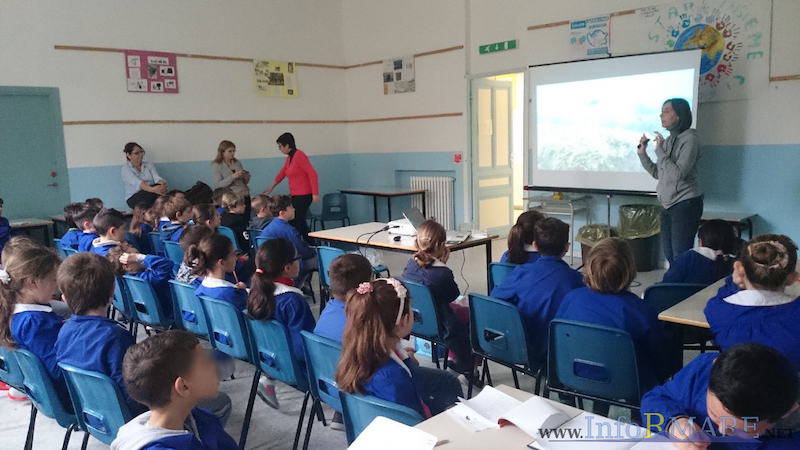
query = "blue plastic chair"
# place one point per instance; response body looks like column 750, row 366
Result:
column 229, row 233
column 59, row 248
column 498, row 271
column 662, row 296
column 97, row 401
column 156, row 243
column 252, row 234
column 188, row 309
column 497, row 334
column 44, row 396
column 121, row 301
column 149, row 309
column 359, row 411
column 334, row 207
column 325, row 257
column 69, row 251
column 274, row 355
column 427, row 324
column 174, row 252
column 594, row 362
column 10, row 373
column 322, row 358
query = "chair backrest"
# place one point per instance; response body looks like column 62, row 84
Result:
column 59, row 248
column 358, row 411
column 593, row 360
column 97, row 401
column 149, row 309
column 498, row 271
column 69, row 251
column 325, row 256
column 174, row 252
column 334, row 203
column 230, row 234
column 661, row 296
column 41, row 390
column 10, row 373
column 426, row 316
column 227, row 329
column 156, row 243
column 122, row 299
column 274, row 354
column 260, row 240
column 188, row 309
column 322, row 357
column 496, row 330
column 252, row 234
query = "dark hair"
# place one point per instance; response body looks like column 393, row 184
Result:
column 72, row 210
column 287, row 139
column 346, row 272
column 684, row 113
column 204, row 212
column 175, row 205
column 29, row 263
column 260, row 202
column 273, row 255
column 753, row 380
column 87, row 213
column 610, row 267
column 86, row 280
column 216, row 195
column 280, row 203
column 207, row 252
column 769, row 259
column 192, row 236
column 96, row 202
column 128, row 149
column 522, row 234
column 106, row 219
column 113, row 257
column 719, row 235
column 431, row 243
column 151, row 367
column 552, row 236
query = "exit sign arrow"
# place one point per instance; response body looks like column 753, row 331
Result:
column 497, row 47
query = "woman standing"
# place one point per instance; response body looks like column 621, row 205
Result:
column 303, row 183
column 229, row 173
column 676, row 172
column 140, row 179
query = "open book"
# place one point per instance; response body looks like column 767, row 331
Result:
column 387, row 434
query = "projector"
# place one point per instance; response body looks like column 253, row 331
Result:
column 402, row 227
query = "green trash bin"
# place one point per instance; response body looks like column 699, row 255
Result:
column 640, row 225
column 590, row 235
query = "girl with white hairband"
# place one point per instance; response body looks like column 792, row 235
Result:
column 375, row 359
column 753, row 306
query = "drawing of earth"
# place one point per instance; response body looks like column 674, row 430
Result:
column 705, row 37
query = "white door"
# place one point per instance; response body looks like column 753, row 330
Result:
column 492, row 169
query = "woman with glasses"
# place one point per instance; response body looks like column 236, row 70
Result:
column 141, row 181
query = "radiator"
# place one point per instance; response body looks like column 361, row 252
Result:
column 439, row 203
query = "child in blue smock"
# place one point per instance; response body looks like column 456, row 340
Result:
column 521, row 239
column 712, row 260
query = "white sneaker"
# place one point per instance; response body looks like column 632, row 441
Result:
column 266, row 390
column 336, row 422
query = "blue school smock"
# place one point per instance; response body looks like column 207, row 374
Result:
column 98, row 344
column 5, row 232
column 170, row 230
column 533, row 255
column 698, row 265
column 202, row 431
column 394, row 382
column 279, row 228
column 537, row 289
column 86, row 240
column 142, row 241
column 157, row 271
column 332, row 320
column 767, row 317
column 70, row 239
column 685, row 395
column 35, row 328
column 627, row 312
column 292, row 310
column 223, row 290
column 101, row 247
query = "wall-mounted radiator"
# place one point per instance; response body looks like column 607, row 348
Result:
column 439, row 199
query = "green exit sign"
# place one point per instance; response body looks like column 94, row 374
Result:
column 497, row 47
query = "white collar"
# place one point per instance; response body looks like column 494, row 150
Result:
column 709, row 253
column 393, row 354
column 530, row 248
column 281, row 288
column 164, row 219
column 752, row 297
column 211, row 282
column 437, row 263
column 24, row 307
column 99, row 242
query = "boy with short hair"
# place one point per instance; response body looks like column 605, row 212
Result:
column 234, row 217
column 179, row 212
column 345, row 274
column 111, row 226
column 172, row 373
column 279, row 227
column 262, row 216
column 70, row 238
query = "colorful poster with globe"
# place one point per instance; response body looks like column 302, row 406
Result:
column 734, row 36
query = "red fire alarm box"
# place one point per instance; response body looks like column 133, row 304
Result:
column 457, row 157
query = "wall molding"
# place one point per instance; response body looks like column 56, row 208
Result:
column 257, row 121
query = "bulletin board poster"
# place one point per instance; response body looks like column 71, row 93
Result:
column 276, row 78
column 589, row 37
column 398, row 75
column 153, row 72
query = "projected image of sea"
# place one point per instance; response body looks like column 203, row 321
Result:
column 595, row 125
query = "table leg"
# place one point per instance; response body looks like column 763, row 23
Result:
column 375, row 207
column 389, row 207
column 750, row 228
column 424, row 207
column 488, row 253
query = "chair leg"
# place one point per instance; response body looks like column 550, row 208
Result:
column 579, row 402
column 300, row 421
column 31, row 426
column 314, row 407
column 85, row 440
column 67, row 435
column 538, row 384
column 516, row 380
column 488, row 376
column 435, row 355
column 249, row 411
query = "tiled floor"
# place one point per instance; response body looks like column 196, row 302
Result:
column 274, row 429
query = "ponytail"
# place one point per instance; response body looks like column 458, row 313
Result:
column 272, row 258
column 202, row 256
column 9, row 290
column 522, row 234
column 431, row 238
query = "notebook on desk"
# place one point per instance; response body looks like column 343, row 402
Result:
column 414, row 215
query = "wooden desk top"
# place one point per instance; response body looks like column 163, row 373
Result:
column 383, row 192
column 29, row 222
column 358, row 234
column 690, row 311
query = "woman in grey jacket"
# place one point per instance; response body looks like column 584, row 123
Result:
column 676, row 172
column 229, row 172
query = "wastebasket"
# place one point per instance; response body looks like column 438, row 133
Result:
column 640, row 225
column 590, row 235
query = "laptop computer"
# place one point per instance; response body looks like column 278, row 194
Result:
column 414, row 215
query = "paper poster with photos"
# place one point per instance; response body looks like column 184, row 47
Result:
column 276, row 78
column 154, row 72
column 398, row 75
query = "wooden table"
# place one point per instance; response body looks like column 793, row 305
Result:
column 28, row 225
column 370, row 235
column 387, row 194
column 741, row 220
